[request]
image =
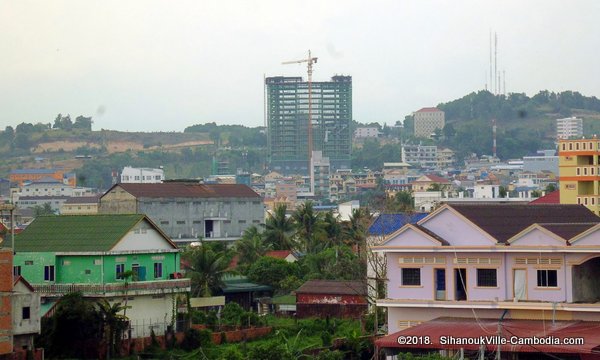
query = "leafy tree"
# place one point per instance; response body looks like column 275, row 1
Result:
column 309, row 227
column 82, row 122
column 550, row 188
column 404, row 201
column 271, row 271
column 278, row 229
column 42, row 210
column 339, row 263
column 206, row 269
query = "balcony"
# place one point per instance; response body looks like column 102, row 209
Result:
column 116, row 289
column 588, row 200
column 587, row 170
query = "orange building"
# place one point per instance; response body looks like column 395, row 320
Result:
column 6, row 285
column 19, row 176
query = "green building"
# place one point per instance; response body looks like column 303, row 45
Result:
column 287, row 122
column 104, row 256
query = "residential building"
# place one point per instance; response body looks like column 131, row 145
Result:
column 287, row 119
column 484, row 191
column 21, row 176
column 331, row 298
column 6, row 286
column 486, row 263
column 579, row 176
column 26, row 322
column 81, row 205
column 319, row 175
column 91, row 254
column 186, row 211
column 366, row 133
column 427, row 120
column 30, row 202
column 569, row 128
column 421, row 155
column 142, row 175
column 445, row 158
column 430, row 182
column 545, row 160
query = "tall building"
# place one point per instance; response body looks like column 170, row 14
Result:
column 287, row 120
column 427, row 120
column 319, row 176
column 568, row 128
column 578, row 162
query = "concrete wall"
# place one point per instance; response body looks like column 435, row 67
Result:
column 149, row 312
column 5, row 301
column 118, row 201
column 24, row 330
column 456, row 231
column 586, row 287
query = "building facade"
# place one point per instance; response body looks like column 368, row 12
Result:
column 93, row 253
column 420, row 155
column 569, row 128
column 578, row 172
column 142, row 175
column 186, row 211
column 366, row 133
column 320, row 171
column 21, row 176
column 427, row 120
column 287, row 119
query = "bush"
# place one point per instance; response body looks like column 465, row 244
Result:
column 232, row 314
column 232, row 353
column 196, row 338
column 330, row 355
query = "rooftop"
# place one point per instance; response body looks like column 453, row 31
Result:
column 188, row 190
column 333, row 287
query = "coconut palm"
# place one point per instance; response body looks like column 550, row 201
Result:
column 310, row 229
column 279, row 229
column 206, row 269
column 333, row 229
column 357, row 229
column 113, row 323
column 251, row 246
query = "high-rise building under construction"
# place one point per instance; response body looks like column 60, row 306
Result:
column 287, row 110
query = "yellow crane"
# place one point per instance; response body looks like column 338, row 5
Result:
column 310, row 60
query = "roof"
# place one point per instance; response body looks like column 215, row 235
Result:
column 284, row 300
column 279, row 254
column 33, row 171
column 333, row 287
column 78, row 233
column 567, row 231
column 436, row 179
column 429, row 109
column 386, row 224
column 187, row 190
column 22, row 280
column 49, row 198
column 237, row 284
column 83, row 199
column 503, row 221
column 432, row 234
column 436, row 329
column 550, row 198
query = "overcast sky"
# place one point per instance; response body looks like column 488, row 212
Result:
column 164, row 65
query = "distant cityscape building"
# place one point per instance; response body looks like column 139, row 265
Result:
column 427, row 120
column 319, row 175
column 142, row 175
column 545, row 160
column 421, row 155
column 287, row 119
column 579, row 177
column 22, row 176
column 567, row 128
column 366, row 132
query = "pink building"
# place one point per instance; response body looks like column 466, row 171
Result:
column 509, row 262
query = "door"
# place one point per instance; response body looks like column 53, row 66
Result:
column 135, row 270
column 440, row 284
column 208, row 228
column 460, row 284
column 519, row 284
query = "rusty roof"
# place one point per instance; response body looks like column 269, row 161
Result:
column 503, row 221
column 333, row 287
column 187, row 190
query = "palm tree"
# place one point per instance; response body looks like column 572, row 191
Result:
column 206, row 269
column 114, row 324
column 333, row 229
column 279, row 228
column 357, row 229
column 251, row 246
column 309, row 227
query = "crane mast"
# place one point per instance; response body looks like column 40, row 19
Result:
column 309, row 64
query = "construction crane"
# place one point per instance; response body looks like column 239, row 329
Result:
column 310, row 60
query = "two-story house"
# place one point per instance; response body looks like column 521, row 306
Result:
column 121, row 258
column 186, row 211
column 504, row 262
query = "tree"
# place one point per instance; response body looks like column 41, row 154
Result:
column 357, row 229
column 278, row 229
column 404, row 201
column 113, row 323
column 206, row 269
column 339, row 263
column 251, row 246
column 82, row 122
column 333, row 229
column 43, row 210
column 309, row 227
column 550, row 188
column 271, row 271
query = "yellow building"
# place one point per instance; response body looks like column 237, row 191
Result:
column 579, row 172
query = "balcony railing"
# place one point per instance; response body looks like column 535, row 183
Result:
column 161, row 286
column 587, row 170
column 588, row 200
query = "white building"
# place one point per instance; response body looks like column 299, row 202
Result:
column 483, row 191
column 366, row 132
column 421, row 155
column 427, row 120
column 570, row 127
column 142, row 175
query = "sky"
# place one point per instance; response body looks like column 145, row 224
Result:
column 165, row 65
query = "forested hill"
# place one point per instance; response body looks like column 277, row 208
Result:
column 524, row 124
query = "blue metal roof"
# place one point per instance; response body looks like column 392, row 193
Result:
column 386, row 224
column 33, row 171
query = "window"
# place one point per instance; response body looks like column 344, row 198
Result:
column 486, row 278
column 163, row 222
column 88, row 271
column 241, row 221
column 28, row 262
column 547, row 278
column 158, row 272
column 26, row 313
column 411, row 277
column 49, row 273
column 181, row 222
column 120, row 269
column 17, row 270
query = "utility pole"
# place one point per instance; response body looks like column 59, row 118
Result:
column 310, row 60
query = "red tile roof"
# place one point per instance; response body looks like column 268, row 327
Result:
column 429, row 109
column 434, row 330
column 438, row 179
column 279, row 254
column 550, row 198
column 188, row 190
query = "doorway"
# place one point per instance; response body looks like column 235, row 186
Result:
column 440, row 284
column 460, row 284
column 519, row 284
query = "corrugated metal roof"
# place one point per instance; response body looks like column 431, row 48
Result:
column 522, row 329
column 33, row 171
column 75, row 233
column 386, row 224
column 83, row 199
column 188, row 190
column 333, row 287
column 503, row 221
